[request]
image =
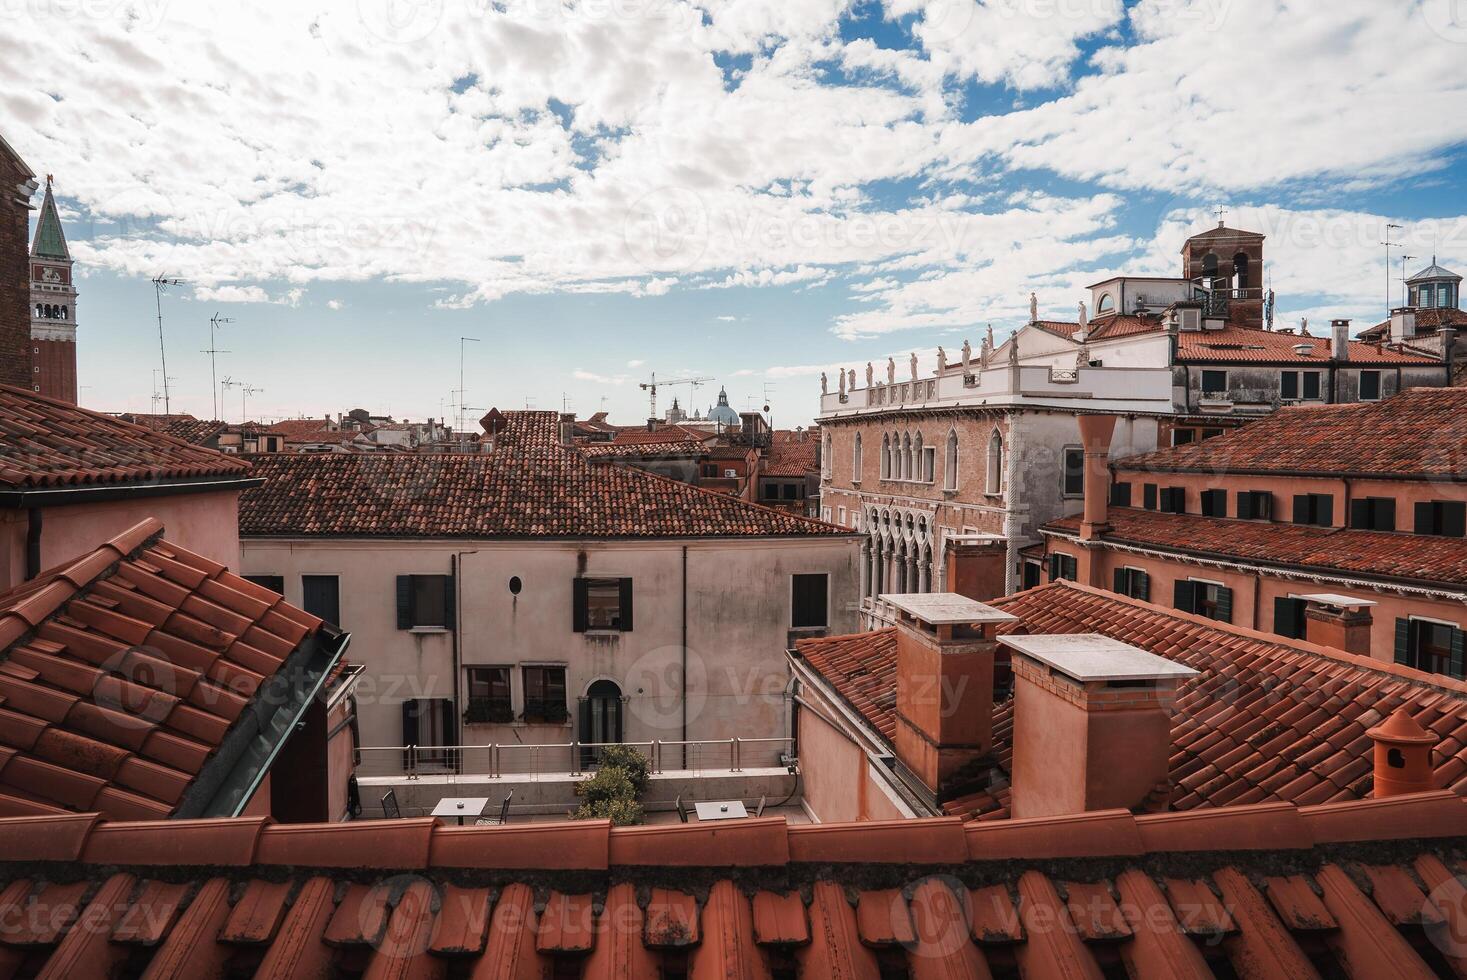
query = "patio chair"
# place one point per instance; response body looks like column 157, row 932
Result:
column 682, row 811
column 390, row 809
column 759, row 811
column 503, row 817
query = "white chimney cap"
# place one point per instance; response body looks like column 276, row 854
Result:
column 947, row 608
column 1338, row 601
column 1095, row 657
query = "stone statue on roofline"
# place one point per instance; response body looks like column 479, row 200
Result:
column 870, row 375
column 967, row 354
column 841, row 377
column 824, row 384
column 941, row 360
column 1014, row 350
column 1083, row 332
column 985, row 353
column 1303, row 326
column 891, row 370
column 989, row 338
column 852, row 385
column 1033, row 308
column 914, row 365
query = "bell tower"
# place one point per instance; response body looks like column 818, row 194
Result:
column 53, row 307
column 1226, row 266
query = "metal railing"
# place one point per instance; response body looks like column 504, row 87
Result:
column 502, row 760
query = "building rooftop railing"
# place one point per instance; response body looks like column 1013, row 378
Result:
column 517, row 760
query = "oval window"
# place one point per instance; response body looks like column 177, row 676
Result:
column 1106, row 304
column 515, row 585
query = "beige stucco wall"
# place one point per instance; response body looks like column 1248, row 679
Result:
column 738, row 613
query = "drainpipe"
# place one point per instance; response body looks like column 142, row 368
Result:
column 1011, row 507
column 32, row 542
column 684, row 706
column 456, row 565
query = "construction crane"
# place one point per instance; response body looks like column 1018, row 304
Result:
column 652, row 384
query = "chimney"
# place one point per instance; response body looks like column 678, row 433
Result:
column 944, row 696
column 1402, row 756
column 975, row 565
column 1095, row 433
column 1304, row 350
column 1339, row 349
column 1338, row 621
column 567, row 428
column 1092, row 724
column 651, row 425
column 1403, row 324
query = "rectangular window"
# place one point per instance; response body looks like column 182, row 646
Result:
column 1314, row 508
column 545, row 695
column 424, row 602
column 602, row 604
column 1214, row 503
column 1133, row 582
column 1447, row 518
column 321, row 596
column 1180, row 437
column 1211, row 433
column 809, row 604
column 1120, row 495
column 429, row 722
column 1288, row 617
column 489, row 701
column 1310, row 384
column 1214, row 382
column 1255, row 505
column 841, row 513
column 1430, row 646
column 929, row 464
column 1062, row 566
column 1032, row 570
column 1369, row 386
column 1373, row 513
column 1174, row 500
column 1205, row 599
column 1289, row 386
column 1296, row 385
column 1074, row 471
column 1148, row 496
column 275, row 583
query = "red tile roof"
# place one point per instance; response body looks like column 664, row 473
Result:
column 124, row 670
column 1107, row 327
column 1427, row 321
column 663, row 433
column 50, row 443
column 645, row 450
column 527, row 487
column 1421, row 432
column 1276, row 891
column 1379, row 554
column 1241, row 345
column 793, row 458
column 1266, row 719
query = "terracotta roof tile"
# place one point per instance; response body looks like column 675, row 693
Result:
column 104, row 703
column 1239, row 345
column 1418, row 432
column 530, row 489
column 50, row 443
column 1247, row 728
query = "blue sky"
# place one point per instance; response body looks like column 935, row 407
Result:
column 748, row 190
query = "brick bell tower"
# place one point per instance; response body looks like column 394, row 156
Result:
column 53, row 307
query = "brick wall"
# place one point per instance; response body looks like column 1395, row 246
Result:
column 15, row 284
column 55, row 368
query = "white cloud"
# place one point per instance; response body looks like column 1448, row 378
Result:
column 635, row 363
column 233, row 294
column 334, row 304
column 581, row 374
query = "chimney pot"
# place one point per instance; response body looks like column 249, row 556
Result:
column 1402, row 756
column 1339, row 340
column 1095, row 436
column 945, row 662
column 1092, row 723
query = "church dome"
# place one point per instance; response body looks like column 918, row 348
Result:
column 723, row 413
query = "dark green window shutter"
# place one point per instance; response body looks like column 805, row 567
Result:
column 1225, row 604
column 1054, row 567
column 1360, row 513
column 1454, row 519
column 1290, row 386
column 410, row 722
column 1148, row 496
column 1455, row 666
column 1423, row 518
column 1286, row 617
column 1143, row 585
column 1325, row 516
column 450, row 602
column 1184, row 595
column 1245, row 505
column 1385, row 514
column 626, row 605
column 405, row 604
column 1403, row 641
column 1301, row 508
column 1120, row 581
column 450, row 729
column 578, row 605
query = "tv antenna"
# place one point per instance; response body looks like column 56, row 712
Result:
column 460, row 390
column 214, row 323
column 652, row 384
column 1404, row 259
column 160, row 285
column 245, row 391
column 1388, row 245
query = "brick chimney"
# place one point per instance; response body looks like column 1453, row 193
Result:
column 1402, row 756
column 1092, row 724
column 1338, row 621
column 945, row 664
column 1095, row 433
column 975, row 565
column 567, row 428
column 1339, row 349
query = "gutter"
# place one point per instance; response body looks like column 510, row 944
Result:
column 1455, row 477
column 64, row 496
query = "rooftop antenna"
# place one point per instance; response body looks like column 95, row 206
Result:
column 214, row 322
column 1388, row 244
column 461, row 389
column 1404, row 259
column 245, row 391
column 161, row 284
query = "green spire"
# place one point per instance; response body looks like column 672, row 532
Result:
column 50, row 243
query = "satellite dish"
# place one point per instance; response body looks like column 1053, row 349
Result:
column 766, row 408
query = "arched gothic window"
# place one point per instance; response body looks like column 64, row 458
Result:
column 856, row 459
column 995, row 463
column 950, row 462
column 886, row 457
